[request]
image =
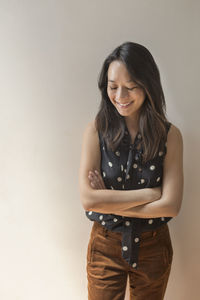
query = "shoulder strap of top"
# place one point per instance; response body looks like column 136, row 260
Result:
column 100, row 138
column 168, row 125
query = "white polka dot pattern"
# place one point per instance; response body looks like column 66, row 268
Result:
column 134, row 265
column 125, row 248
column 123, row 169
column 117, row 153
column 152, row 167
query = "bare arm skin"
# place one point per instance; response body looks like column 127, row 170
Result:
column 104, row 200
column 170, row 201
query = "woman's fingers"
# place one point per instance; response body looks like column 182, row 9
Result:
column 94, row 180
column 100, row 179
column 97, row 180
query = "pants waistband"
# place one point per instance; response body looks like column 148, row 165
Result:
column 101, row 229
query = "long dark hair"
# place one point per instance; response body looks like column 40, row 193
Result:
column 152, row 120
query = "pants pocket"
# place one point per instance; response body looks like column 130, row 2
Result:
column 167, row 248
column 155, row 255
column 90, row 247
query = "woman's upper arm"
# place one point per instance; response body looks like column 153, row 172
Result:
column 173, row 177
column 90, row 160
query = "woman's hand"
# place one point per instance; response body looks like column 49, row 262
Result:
column 96, row 180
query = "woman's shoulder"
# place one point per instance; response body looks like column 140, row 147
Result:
column 92, row 131
column 173, row 128
column 91, row 126
column 174, row 133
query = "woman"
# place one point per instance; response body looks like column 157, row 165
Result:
column 131, row 180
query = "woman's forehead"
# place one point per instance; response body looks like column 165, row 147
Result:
column 117, row 71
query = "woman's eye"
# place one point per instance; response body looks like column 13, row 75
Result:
column 130, row 89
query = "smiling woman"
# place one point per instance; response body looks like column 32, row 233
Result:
column 131, row 179
column 123, row 92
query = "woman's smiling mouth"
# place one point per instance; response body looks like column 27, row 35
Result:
column 124, row 105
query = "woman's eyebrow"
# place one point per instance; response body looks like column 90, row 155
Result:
column 126, row 81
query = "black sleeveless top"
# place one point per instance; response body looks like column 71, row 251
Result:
column 123, row 169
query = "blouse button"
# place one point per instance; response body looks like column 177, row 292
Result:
column 163, row 219
column 150, row 221
column 127, row 223
column 119, row 179
column 110, row 164
column 128, row 176
column 103, row 222
column 158, row 179
column 160, row 153
column 134, row 166
column 140, row 169
column 115, row 219
column 100, row 217
column 104, row 174
column 122, row 167
column 136, row 239
column 90, row 213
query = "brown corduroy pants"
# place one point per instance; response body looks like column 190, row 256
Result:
column 107, row 271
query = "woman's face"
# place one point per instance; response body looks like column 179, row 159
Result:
column 122, row 90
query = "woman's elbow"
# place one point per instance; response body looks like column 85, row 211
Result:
column 175, row 209
column 85, row 197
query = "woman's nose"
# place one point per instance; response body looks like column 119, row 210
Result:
column 121, row 93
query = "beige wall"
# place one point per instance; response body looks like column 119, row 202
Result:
column 50, row 56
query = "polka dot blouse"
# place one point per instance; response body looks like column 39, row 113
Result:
column 123, row 169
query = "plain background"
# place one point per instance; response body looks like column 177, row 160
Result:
column 50, row 56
